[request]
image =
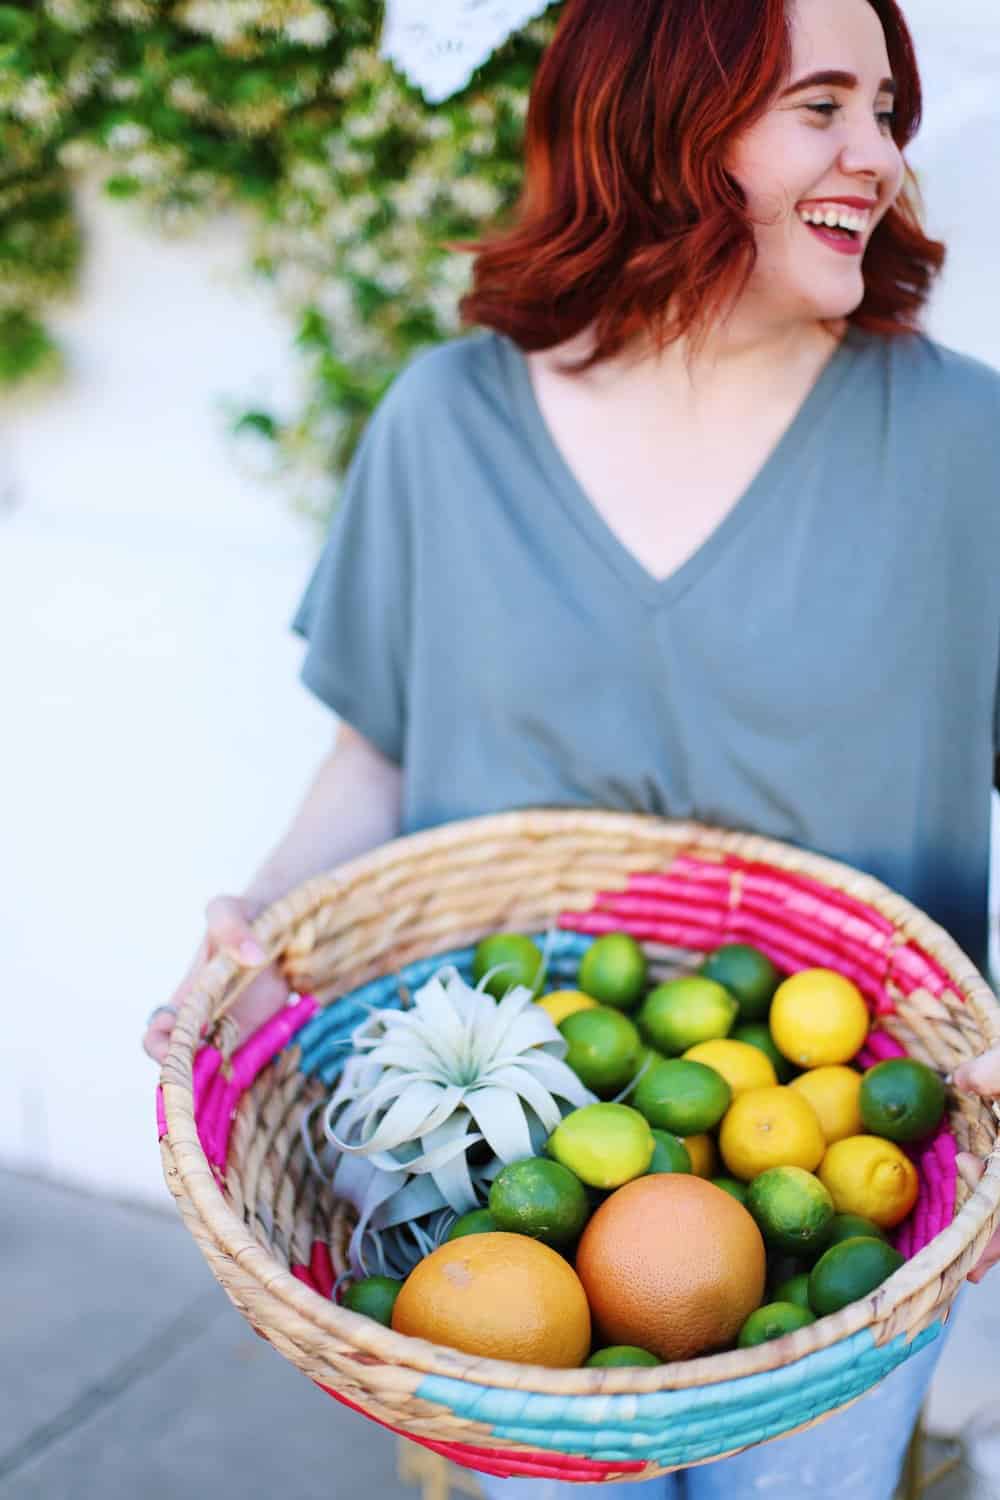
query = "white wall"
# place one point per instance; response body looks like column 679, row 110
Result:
column 155, row 736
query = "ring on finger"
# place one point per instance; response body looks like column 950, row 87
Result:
column 157, row 1009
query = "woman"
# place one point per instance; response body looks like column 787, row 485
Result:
column 700, row 525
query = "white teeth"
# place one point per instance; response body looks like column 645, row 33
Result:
column 832, row 217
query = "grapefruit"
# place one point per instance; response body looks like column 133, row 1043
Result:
column 672, row 1264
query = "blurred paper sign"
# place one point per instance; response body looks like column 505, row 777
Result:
column 439, row 44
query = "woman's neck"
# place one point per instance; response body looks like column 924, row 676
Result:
column 731, row 366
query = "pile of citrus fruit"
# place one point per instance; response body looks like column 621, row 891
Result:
column 735, row 1181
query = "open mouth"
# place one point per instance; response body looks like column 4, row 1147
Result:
column 846, row 241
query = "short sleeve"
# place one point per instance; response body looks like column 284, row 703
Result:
column 355, row 613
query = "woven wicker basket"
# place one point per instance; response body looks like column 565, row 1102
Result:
column 234, row 1159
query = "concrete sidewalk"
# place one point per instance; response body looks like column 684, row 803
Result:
column 127, row 1374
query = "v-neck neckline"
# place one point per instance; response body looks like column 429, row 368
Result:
column 585, row 514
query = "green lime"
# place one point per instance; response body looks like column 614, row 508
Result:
column 747, row 974
column 792, row 1208
column 604, row 1049
column 850, row 1270
column 733, row 1187
column 539, row 1198
column 604, row 1144
column 617, row 1355
column 795, row 1289
column 849, row 1227
column 771, row 1321
column 613, row 971
column 374, row 1296
column 683, row 1012
column 901, row 1099
column 477, row 1221
column 758, row 1034
column 669, row 1154
column 521, row 960
column 682, row 1096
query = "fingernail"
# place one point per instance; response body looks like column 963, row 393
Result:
column 252, row 953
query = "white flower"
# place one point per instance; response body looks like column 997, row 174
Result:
column 127, row 135
column 312, row 29
column 35, row 102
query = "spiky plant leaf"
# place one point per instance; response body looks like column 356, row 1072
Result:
column 425, row 1086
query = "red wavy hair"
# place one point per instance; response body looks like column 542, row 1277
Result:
column 628, row 219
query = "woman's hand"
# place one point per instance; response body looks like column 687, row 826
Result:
column 228, row 931
column 980, row 1075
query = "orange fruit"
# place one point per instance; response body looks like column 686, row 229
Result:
column 502, row 1296
column 704, row 1157
column 773, row 1127
column 834, row 1093
column 742, row 1066
column 672, row 1264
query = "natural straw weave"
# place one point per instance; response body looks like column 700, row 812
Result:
column 275, row 1239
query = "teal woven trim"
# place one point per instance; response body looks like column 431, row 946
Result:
column 325, row 1040
column 681, row 1427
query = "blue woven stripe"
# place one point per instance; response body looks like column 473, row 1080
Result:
column 325, row 1039
column 699, row 1423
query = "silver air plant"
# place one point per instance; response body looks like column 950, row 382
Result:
column 433, row 1101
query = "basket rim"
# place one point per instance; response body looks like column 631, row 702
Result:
column 208, row 1000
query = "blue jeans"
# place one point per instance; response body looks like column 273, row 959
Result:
column 859, row 1452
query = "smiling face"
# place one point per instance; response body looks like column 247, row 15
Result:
column 820, row 142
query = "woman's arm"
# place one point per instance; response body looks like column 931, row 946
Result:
column 353, row 804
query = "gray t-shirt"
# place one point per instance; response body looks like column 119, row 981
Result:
column 823, row 669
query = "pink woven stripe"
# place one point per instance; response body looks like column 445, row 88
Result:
column 206, row 1065
column 217, row 1096
column 673, row 934
column 764, row 878
column 247, row 1062
column 935, row 1161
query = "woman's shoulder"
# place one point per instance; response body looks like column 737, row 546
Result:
column 940, row 381
column 440, row 381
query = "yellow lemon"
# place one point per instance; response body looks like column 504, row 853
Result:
column 704, row 1157
column 833, row 1093
column 562, row 1003
column 742, row 1066
column 772, row 1127
column 818, row 1018
column 870, row 1176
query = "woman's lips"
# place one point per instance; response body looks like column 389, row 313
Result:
column 843, row 244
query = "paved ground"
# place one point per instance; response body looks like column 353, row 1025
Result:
column 127, row 1375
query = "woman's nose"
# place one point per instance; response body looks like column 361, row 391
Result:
column 870, row 151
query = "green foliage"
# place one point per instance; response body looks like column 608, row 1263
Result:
column 351, row 184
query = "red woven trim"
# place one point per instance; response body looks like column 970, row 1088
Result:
column 505, row 1463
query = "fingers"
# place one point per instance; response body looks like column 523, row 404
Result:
column 970, row 1167
column 980, row 1075
column 261, row 1000
column 228, row 920
column 229, row 930
column 157, row 1037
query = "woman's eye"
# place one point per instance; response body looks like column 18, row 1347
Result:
column 885, row 118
